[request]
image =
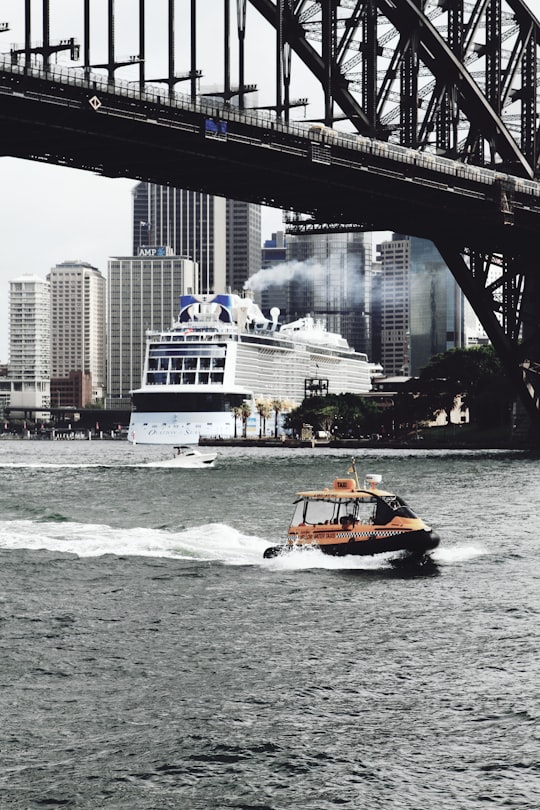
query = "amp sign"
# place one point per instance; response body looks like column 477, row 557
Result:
column 154, row 251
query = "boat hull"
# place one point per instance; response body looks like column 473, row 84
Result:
column 414, row 542
column 183, row 464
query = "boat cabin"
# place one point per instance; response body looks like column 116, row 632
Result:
column 345, row 505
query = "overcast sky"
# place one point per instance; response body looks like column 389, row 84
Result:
column 51, row 214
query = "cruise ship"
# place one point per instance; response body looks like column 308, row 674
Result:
column 222, row 352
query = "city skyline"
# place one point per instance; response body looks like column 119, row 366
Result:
column 53, row 214
column 56, row 214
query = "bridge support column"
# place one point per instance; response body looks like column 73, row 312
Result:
column 509, row 311
column 526, row 426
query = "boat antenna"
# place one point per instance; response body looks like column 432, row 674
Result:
column 352, row 469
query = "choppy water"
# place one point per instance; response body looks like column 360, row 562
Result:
column 150, row 657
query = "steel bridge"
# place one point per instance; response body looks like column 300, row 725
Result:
column 407, row 115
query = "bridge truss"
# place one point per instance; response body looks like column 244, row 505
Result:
column 449, row 78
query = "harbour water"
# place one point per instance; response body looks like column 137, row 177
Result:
column 151, row 659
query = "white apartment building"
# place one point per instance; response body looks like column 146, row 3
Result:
column 143, row 293
column 78, row 325
column 29, row 342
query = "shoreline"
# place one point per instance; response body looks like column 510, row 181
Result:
column 380, row 444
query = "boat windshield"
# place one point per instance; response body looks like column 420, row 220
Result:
column 391, row 506
column 376, row 510
column 315, row 512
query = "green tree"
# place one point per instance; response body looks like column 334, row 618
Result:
column 475, row 374
column 246, row 413
column 237, row 413
column 339, row 414
column 264, row 409
column 277, row 407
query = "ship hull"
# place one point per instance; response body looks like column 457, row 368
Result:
column 414, row 542
column 179, row 427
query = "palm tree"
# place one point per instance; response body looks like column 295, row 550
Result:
column 266, row 413
column 277, row 407
column 261, row 406
column 246, row 412
column 237, row 413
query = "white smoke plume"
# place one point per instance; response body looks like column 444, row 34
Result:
column 285, row 272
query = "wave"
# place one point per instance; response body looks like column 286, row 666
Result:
column 40, row 465
column 213, row 541
column 460, row 553
column 210, row 542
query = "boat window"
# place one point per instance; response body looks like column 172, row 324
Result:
column 298, row 516
column 362, row 511
column 383, row 513
column 399, row 506
column 159, row 351
column 157, row 378
column 406, row 512
column 314, row 512
column 157, row 401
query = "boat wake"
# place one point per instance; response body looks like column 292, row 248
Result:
column 457, row 554
column 210, row 542
column 309, row 558
column 213, row 541
column 39, row 465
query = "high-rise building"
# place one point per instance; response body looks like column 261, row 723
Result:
column 222, row 236
column 393, row 258
column 331, row 279
column 143, row 293
column 243, row 243
column 29, row 341
column 273, row 267
column 423, row 310
column 440, row 317
column 78, row 325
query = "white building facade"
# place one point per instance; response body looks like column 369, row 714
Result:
column 143, row 293
column 29, row 342
column 78, row 322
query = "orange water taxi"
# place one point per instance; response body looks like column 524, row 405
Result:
column 349, row 519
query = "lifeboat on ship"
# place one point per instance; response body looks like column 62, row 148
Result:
column 349, row 519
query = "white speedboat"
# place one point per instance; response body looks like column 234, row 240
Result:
column 186, row 457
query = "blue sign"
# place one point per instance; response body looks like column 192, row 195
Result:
column 215, row 127
column 159, row 250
